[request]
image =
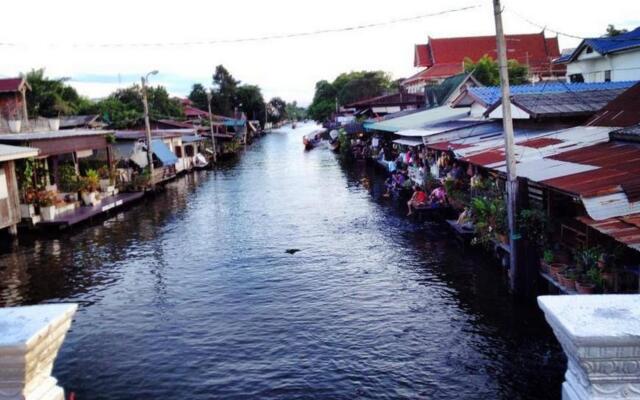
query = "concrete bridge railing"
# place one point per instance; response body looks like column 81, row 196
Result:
column 600, row 335
column 30, row 338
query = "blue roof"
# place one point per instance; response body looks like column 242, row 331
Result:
column 234, row 122
column 605, row 45
column 491, row 94
column 163, row 152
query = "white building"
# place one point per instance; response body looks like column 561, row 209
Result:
column 606, row 59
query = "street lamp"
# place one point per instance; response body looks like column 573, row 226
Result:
column 145, row 80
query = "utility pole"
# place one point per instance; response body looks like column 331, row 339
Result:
column 147, row 125
column 507, row 124
column 213, row 136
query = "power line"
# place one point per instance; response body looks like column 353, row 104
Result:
column 259, row 38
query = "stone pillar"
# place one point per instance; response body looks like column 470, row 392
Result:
column 600, row 335
column 30, row 338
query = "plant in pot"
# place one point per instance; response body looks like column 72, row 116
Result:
column 11, row 114
column 28, row 204
column 106, row 179
column 568, row 278
column 90, row 186
column 47, row 203
column 546, row 260
column 68, row 182
column 590, row 281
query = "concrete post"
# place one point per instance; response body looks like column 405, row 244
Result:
column 30, row 338
column 600, row 335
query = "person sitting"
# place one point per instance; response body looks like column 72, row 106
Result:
column 390, row 183
column 456, row 171
column 438, row 197
column 418, row 199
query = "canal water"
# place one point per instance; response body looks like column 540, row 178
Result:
column 191, row 295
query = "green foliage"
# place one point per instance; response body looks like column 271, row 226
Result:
column 294, row 112
column 198, row 96
column 249, row 99
column 124, row 109
column 486, row 71
column 68, row 181
column 612, row 31
column 91, row 182
column 224, row 99
column 534, row 226
column 277, row 109
column 489, row 217
column 347, row 88
column 51, row 98
column 345, row 145
column 548, row 256
column 586, row 258
column 24, row 171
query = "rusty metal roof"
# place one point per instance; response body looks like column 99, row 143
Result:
column 623, row 111
column 623, row 229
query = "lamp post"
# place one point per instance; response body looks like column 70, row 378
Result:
column 147, row 125
column 213, row 136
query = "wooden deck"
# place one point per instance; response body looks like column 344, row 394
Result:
column 85, row 213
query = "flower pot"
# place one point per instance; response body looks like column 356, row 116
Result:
column 544, row 267
column 48, row 213
column 105, row 185
column 27, row 210
column 585, row 287
column 54, row 124
column 568, row 283
column 90, row 198
column 14, row 125
column 556, row 268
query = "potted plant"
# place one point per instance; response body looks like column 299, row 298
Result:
column 90, row 186
column 12, row 115
column 29, row 199
column 106, row 179
column 546, row 260
column 47, row 204
column 568, row 279
column 555, row 269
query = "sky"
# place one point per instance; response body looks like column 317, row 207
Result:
column 66, row 38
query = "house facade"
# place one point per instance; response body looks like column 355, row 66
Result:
column 607, row 59
column 13, row 104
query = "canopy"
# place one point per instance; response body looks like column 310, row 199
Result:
column 163, row 152
column 421, row 119
column 412, row 142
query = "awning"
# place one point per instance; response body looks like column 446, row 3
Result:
column 192, row 138
column 163, row 153
column 421, row 119
column 413, row 142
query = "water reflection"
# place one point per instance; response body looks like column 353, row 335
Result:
column 190, row 294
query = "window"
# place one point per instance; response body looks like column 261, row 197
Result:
column 589, row 50
column 178, row 151
column 576, row 78
column 189, row 151
column 607, row 75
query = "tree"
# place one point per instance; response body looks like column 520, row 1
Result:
column 198, row 96
column 277, row 109
column 487, row 72
column 612, row 31
column 124, row 109
column 295, row 112
column 353, row 86
column 324, row 101
column 51, row 98
column 249, row 99
column 224, row 99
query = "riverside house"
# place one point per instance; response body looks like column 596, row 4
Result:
column 9, row 195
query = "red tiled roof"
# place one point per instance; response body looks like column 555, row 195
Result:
column 623, row 111
column 10, row 84
column 438, row 71
column 443, row 57
column 422, row 57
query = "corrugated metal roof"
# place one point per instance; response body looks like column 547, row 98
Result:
column 491, row 94
column 623, row 111
column 420, row 119
column 161, row 133
column 623, row 229
column 8, row 152
column 33, row 136
column 443, row 127
column 11, row 84
column 563, row 104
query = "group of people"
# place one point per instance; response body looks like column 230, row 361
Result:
column 419, row 199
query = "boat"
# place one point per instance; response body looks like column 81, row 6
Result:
column 313, row 139
column 293, row 125
column 334, row 141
